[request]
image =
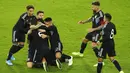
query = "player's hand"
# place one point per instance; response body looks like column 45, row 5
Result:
column 80, row 22
column 58, row 55
column 43, row 36
column 90, row 30
column 41, row 30
column 29, row 32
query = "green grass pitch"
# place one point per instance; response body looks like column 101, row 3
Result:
column 66, row 14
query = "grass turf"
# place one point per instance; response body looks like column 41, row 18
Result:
column 66, row 14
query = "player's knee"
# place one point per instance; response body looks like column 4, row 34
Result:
column 94, row 44
column 21, row 44
column 85, row 40
column 58, row 55
column 29, row 64
column 43, row 60
column 100, row 60
column 111, row 59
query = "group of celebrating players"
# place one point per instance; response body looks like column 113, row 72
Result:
column 45, row 46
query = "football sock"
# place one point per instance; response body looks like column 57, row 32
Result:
column 99, row 67
column 117, row 65
column 83, row 46
column 95, row 49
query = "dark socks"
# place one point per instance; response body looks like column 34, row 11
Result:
column 63, row 57
column 95, row 49
column 117, row 65
column 99, row 67
column 83, row 46
column 13, row 50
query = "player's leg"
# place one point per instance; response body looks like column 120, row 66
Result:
column 100, row 64
column 44, row 62
column 58, row 56
column 29, row 64
column 101, row 56
column 112, row 54
column 116, row 63
column 87, row 38
column 30, row 57
column 95, row 38
column 18, row 43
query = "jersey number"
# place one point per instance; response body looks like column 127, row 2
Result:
column 112, row 34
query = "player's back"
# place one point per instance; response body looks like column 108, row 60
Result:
column 109, row 30
column 54, row 36
column 37, row 41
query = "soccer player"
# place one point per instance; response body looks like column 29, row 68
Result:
column 38, row 44
column 19, row 31
column 40, row 21
column 94, row 36
column 108, row 44
column 56, row 45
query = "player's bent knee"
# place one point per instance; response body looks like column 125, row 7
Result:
column 29, row 64
column 111, row 59
column 58, row 55
column 94, row 44
column 21, row 44
column 85, row 40
column 100, row 60
column 43, row 60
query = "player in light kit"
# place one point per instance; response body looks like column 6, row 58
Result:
column 108, row 44
column 19, row 31
column 94, row 36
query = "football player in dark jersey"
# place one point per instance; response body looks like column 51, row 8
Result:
column 94, row 36
column 19, row 30
column 108, row 44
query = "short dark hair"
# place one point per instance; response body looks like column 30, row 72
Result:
column 40, row 12
column 48, row 19
column 30, row 7
column 108, row 16
column 97, row 3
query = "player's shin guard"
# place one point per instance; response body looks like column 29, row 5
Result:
column 117, row 65
column 95, row 49
column 99, row 67
column 83, row 46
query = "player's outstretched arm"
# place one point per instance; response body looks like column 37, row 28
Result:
column 85, row 21
column 94, row 29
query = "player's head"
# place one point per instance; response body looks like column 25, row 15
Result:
column 95, row 6
column 30, row 10
column 48, row 21
column 40, row 14
column 107, row 17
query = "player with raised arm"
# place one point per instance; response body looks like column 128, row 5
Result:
column 94, row 36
